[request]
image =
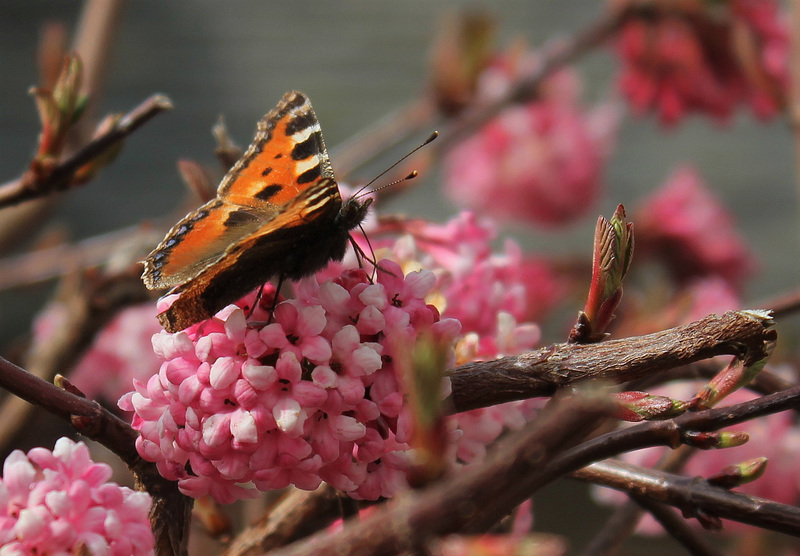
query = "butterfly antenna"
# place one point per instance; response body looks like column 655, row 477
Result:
column 413, row 174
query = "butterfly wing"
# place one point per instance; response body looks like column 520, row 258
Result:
column 287, row 157
column 298, row 241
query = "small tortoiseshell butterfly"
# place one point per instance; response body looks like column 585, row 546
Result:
column 278, row 212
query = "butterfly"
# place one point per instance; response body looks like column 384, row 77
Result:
column 278, row 212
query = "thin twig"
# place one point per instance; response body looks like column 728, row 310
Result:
column 527, row 88
column 542, row 372
column 282, row 521
column 53, row 262
column 677, row 527
column 29, row 187
column 626, row 517
column 690, row 495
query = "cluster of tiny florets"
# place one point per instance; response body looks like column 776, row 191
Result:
column 61, row 502
column 310, row 396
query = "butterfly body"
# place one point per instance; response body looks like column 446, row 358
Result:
column 278, row 212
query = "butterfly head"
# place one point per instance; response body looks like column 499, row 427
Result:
column 352, row 213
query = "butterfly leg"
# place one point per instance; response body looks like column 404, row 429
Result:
column 281, row 278
column 252, row 308
column 362, row 256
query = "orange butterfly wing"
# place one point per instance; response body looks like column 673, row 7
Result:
column 286, row 157
column 298, row 241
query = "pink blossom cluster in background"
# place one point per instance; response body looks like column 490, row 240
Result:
column 540, row 162
column 685, row 226
column 696, row 56
column 61, row 502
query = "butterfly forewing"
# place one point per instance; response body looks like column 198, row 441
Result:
column 287, row 155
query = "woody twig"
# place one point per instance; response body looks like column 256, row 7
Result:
column 60, row 177
column 745, row 334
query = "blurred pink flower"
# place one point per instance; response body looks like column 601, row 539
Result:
column 119, row 353
column 475, row 283
column 309, row 397
column 704, row 57
column 61, row 502
column 685, row 226
column 492, row 294
column 540, row 162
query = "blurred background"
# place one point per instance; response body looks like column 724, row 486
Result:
column 358, row 61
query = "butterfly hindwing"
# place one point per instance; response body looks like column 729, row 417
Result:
column 198, row 240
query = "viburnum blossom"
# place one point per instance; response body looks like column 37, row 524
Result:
column 491, row 294
column 540, row 162
column 311, row 396
column 698, row 56
column 61, row 502
column 474, row 282
column 684, row 225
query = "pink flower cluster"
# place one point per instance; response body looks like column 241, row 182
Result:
column 61, row 502
column 538, row 163
column 704, row 57
column 685, row 225
column 490, row 294
column 310, row 397
column 474, row 282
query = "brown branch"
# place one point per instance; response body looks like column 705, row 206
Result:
column 786, row 304
column 542, row 372
column 479, row 495
column 29, row 187
column 410, row 521
column 282, row 521
column 691, row 494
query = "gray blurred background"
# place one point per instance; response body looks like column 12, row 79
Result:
column 358, row 61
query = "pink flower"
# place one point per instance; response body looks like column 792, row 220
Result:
column 540, row 162
column 695, row 56
column 61, row 502
column 685, row 226
column 119, row 353
column 475, row 284
column 311, row 396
